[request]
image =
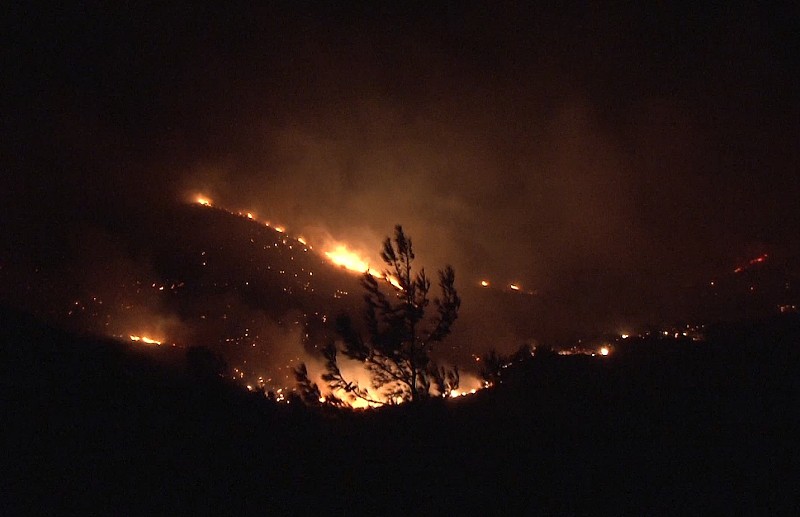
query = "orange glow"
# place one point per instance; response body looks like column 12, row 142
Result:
column 145, row 339
column 340, row 255
column 514, row 287
column 484, row 283
column 350, row 260
column 392, row 280
column 604, row 350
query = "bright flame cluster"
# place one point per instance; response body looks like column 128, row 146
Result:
column 145, row 339
column 458, row 393
column 340, row 255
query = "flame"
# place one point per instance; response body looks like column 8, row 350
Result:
column 604, row 350
column 354, row 371
column 342, row 256
column 145, row 339
column 339, row 255
column 350, row 260
column 484, row 283
column 392, row 280
column 464, row 393
column 514, row 287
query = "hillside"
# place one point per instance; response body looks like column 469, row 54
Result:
column 190, row 275
column 95, row 426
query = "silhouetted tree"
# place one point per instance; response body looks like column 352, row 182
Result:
column 492, row 365
column 544, row 352
column 308, row 391
column 523, row 353
column 396, row 351
column 204, row 363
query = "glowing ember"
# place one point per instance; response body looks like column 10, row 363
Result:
column 249, row 215
column 145, row 339
column 758, row 260
column 280, row 229
column 302, row 241
column 484, row 283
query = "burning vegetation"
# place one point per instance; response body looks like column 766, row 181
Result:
column 145, row 339
column 268, row 301
column 397, row 351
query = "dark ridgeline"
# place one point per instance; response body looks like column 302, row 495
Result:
column 93, row 426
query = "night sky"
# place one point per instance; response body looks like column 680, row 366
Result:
column 611, row 154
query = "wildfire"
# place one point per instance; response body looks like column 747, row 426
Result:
column 604, row 350
column 339, row 255
column 145, row 339
column 350, row 260
column 758, row 260
column 459, row 393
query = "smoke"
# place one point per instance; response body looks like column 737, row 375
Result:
column 536, row 211
column 605, row 159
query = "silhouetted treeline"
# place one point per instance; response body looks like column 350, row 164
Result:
column 92, row 426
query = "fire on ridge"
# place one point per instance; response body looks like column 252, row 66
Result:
column 342, row 255
column 338, row 254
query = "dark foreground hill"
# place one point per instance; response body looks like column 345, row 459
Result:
column 94, row 426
